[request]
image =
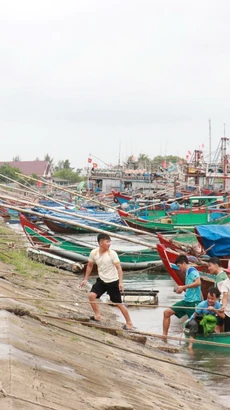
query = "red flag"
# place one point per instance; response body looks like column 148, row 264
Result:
column 187, row 156
column 202, row 145
column 94, row 165
column 164, row 164
column 189, row 152
column 89, row 160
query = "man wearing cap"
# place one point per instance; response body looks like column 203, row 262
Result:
column 226, row 301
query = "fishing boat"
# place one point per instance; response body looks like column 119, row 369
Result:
column 220, row 340
column 120, row 198
column 168, row 257
column 208, row 241
column 215, row 239
column 186, row 219
column 78, row 216
column 136, row 258
column 67, row 229
column 183, row 242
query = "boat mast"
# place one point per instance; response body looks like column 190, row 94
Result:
column 210, row 142
column 224, row 159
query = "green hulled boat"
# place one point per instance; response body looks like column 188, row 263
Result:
column 131, row 259
column 213, row 340
column 181, row 220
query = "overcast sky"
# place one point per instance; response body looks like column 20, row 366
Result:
column 82, row 77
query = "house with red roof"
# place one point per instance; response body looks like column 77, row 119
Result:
column 40, row 168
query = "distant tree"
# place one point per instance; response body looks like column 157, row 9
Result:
column 143, row 158
column 69, row 175
column 10, row 172
column 37, row 159
column 66, row 165
column 131, row 163
column 143, row 161
column 59, row 166
column 79, row 170
column 158, row 160
column 48, row 159
column 17, row 158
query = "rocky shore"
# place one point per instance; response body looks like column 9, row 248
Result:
column 51, row 360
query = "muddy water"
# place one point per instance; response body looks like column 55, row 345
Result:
column 150, row 320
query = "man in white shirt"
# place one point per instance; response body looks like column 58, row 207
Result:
column 225, row 289
column 109, row 280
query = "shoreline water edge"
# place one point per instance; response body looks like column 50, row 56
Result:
column 51, row 360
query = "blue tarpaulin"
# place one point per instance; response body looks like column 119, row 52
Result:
column 217, row 235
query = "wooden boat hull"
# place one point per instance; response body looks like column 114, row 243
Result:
column 76, row 250
column 180, row 220
column 178, row 244
column 187, row 247
column 67, row 229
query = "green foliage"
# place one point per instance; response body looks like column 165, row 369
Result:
column 69, row 175
column 63, row 165
column 143, row 158
column 66, row 165
column 157, row 161
column 9, row 172
column 35, row 176
column 58, row 166
column 79, row 170
column 145, row 162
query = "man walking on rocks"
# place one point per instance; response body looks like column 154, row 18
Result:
column 109, row 280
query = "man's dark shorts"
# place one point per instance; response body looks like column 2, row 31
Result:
column 227, row 323
column 111, row 288
column 184, row 308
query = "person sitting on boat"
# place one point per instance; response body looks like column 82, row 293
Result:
column 110, row 278
column 192, row 296
column 226, row 300
column 207, row 318
column 214, row 267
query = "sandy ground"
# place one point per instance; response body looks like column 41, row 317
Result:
column 58, row 363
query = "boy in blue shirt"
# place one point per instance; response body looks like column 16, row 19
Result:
column 207, row 316
column 192, row 291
